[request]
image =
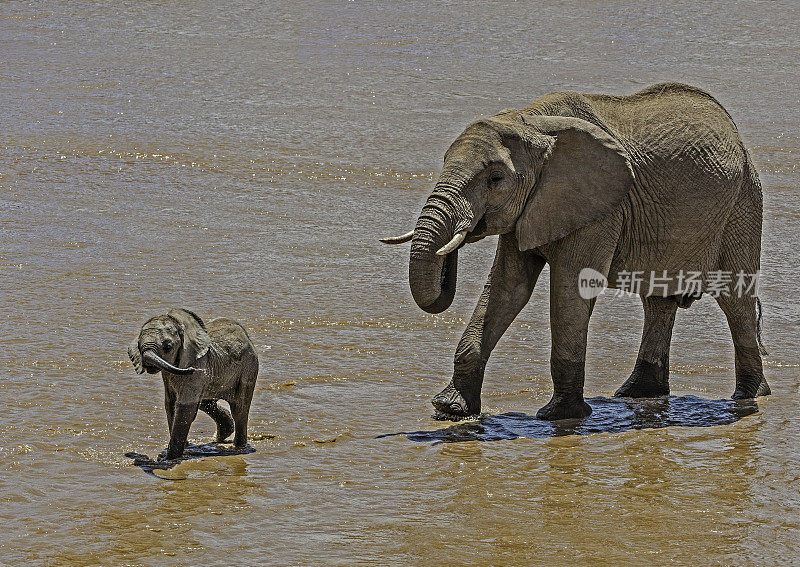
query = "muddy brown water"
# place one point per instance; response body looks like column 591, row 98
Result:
column 242, row 160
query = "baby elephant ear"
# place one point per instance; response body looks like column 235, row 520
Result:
column 585, row 176
column 135, row 355
column 195, row 339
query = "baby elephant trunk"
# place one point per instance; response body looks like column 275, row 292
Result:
column 151, row 358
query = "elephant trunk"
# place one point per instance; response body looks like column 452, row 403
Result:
column 445, row 219
column 151, row 358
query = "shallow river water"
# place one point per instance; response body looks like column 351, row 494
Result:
column 243, row 160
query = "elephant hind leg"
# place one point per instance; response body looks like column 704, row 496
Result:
column 741, row 315
column 740, row 254
column 650, row 376
column 240, row 408
column 221, row 417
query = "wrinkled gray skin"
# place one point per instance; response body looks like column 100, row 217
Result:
column 199, row 364
column 659, row 180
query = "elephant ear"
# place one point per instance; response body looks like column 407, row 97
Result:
column 584, row 177
column 135, row 355
column 196, row 341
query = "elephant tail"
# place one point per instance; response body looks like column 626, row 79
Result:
column 759, row 313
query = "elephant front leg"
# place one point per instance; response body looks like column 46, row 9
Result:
column 181, row 422
column 169, row 407
column 569, row 323
column 650, row 376
column 508, row 289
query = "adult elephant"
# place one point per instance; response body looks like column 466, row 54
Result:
column 656, row 184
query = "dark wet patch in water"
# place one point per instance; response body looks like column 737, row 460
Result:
column 148, row 465
column 609, row 415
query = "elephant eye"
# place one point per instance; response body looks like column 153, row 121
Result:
column 495, row 177
column 166, row 345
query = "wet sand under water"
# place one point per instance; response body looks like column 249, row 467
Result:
column 243, row 163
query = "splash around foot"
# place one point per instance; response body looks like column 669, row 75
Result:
column 191, row 451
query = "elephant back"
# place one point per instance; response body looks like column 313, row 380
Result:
column 229, row 338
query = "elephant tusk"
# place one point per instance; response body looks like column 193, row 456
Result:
column 453, row 244
column 398, row 239
column 152, row 358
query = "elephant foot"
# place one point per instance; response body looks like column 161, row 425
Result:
column 221, row 417
column 562, row 407
column 450, row 404
column 648, row 380
column 168, row 456
column 743, row 393
column 224, row 431
column 240, row 440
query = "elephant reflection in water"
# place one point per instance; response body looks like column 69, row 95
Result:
column 658, row 182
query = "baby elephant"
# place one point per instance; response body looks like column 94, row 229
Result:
column 200, row 364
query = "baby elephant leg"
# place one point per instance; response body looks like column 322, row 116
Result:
column 240, row 408
column 181, row 422
column 221, row 417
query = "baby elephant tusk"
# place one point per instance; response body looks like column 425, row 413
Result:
column 398, row 239
column 453, row 244
column 152, row 358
